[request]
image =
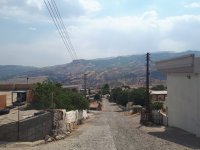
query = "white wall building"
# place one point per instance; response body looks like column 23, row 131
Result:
column 183, row 85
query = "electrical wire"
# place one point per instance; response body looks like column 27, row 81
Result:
column 53, row 11
column 64, row 28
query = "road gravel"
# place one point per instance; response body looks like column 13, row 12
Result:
column 112, row 129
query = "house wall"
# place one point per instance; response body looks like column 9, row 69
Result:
column 183, row 101
column 158, row 97
column 2, row 101
column 9, row 97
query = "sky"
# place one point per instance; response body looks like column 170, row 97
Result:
column 97, row 29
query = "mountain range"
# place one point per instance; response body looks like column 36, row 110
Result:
column 117, row 71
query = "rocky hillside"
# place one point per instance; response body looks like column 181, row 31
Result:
column 129, row 70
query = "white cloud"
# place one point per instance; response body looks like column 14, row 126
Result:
column 35, row 10
column 112, row 36
column 95, row 37
column 192, row 5
column 91, row 5
column 35, row 3
column 32, row 28
column 22, row 10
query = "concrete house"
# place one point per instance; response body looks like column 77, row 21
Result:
column 183, row 84
column 9, row 93
column 159, row 96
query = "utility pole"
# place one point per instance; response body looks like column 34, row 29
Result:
column 27, row 80
column 147, row 89
column 85, row 84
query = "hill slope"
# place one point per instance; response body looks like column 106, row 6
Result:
column 115, row 71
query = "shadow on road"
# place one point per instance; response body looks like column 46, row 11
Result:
column 179, row 136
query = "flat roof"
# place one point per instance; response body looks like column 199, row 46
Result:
column 158, row 92
column 183, row 64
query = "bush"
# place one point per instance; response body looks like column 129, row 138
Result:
column 49, row 95
column 159, row 88
column 105, row 89
column 157, row 105
column 97, row 96
column 137, row 96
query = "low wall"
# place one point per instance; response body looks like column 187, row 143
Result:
column 75, row 116
column 29, row 129
column 53, row 122
column 159, row 117
column 67, row 121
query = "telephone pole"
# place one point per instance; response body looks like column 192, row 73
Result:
column 148, row 111
column 85, row 84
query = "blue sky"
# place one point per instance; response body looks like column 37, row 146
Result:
column 97, row 28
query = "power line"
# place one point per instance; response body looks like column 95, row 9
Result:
column 56, row 21
column 57, row 26
column 64, row 27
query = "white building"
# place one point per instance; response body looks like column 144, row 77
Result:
column 183, row 85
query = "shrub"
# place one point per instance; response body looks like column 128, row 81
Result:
column 157, row 105
column 49, row 95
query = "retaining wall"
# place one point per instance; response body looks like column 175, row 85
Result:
column 29, row 129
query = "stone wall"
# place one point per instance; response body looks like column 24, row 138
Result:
column 29, row 129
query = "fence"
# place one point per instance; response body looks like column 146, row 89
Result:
column 29, row 129
column 33, row 128
column 159, row 117
column 64, row 122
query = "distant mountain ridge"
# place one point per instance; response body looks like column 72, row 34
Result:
column 121, row 70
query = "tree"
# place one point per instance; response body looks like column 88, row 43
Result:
column 156, row 105
column 105, row 89
column 49, row 95
column 122, row 97
column 137, row 96
column 159, row 88
column 115, row 94
column 97, row 96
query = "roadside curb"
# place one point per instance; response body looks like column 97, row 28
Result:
column 21, row 144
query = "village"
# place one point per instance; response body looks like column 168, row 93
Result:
column 99, row 75
column 173, row 121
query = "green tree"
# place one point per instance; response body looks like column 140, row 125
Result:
column 119, row 96
column 105, row 89
column 49, row 95
column 97, row 96
column 159, row 88
column 115, row 94
column 138, row 96
column 156, row 105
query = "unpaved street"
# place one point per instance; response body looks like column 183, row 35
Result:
column 112, row 129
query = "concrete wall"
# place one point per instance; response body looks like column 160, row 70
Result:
column 9, row 97
column 183, row 101
column 30, row 129
column 2, row 101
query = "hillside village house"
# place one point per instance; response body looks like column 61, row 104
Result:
column 183, row 84
column 9, row 93
column 159, row 96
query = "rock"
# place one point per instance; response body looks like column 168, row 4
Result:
column 48, row 138
column 60, row 137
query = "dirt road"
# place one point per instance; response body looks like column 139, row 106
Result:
column 111, row 129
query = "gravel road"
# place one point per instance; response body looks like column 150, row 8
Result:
column 111, row 129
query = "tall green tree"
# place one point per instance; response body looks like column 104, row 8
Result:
column 49, row 95
column 137, row 96
column 105, row 89
column 159, row 88
column 97, row 97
